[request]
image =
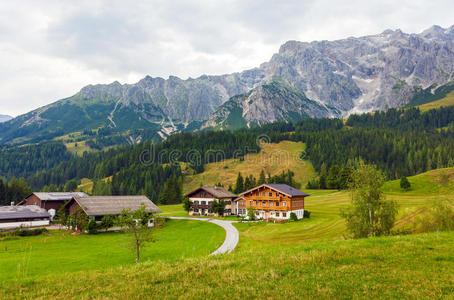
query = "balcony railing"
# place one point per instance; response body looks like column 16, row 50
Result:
column 199, row 206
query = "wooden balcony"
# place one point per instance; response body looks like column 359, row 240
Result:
column 201, row 206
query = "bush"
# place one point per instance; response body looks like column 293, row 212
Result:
column 306, row 214
column 92, row 227
column 25, row 232
column 293, row 217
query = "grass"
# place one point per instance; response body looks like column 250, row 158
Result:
column 325, row 223
column 310, row 258
column 273, row 158
column 78, row 148
column 446, row 101
column 61, row 253
column 402, row 267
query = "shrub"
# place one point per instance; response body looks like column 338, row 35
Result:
column 25, row 232
column 306, row 214
column 92, row 227
column 293, row 217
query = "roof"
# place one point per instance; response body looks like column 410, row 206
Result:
column 216, row 191
column 22, row 212
column 114, row 205
column 282, row 188
column 58, row 196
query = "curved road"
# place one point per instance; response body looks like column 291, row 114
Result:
column 231, row 238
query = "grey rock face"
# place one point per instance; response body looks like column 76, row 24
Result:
column 352, row 75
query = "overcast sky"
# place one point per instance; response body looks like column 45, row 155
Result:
column 51, row 49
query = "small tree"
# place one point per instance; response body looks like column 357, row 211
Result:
column 251, row 214
column 218, row 207
column 136, row 225
column 107, row 222
column 186, row 204
column 404, row 183
column 369, row 213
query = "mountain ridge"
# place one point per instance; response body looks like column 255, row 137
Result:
column 324, row 78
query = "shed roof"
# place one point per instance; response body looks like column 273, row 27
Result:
column 216, row 191
column 22, row 212
column 282, row 188
column 58, row 196
column 114, row 205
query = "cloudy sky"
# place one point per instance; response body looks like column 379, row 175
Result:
column 51, row 49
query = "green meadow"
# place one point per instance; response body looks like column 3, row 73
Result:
column 60, row 252
column 312, row 257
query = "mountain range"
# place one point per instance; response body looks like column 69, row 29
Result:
column 303, row 80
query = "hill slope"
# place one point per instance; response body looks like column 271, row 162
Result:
column 272, row 158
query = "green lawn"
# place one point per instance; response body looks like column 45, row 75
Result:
column 400, row 267
column 60, row 252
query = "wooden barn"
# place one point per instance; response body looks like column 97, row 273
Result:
column 52, row 200
column 98, row 206
column 23, row 216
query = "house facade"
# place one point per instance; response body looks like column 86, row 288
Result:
column 201, row 200
column 271, row 201
column 49, row 201
column 23, row 216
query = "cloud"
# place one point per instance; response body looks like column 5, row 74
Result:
column 51, row 49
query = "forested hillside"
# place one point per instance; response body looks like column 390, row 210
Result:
column 401, row 142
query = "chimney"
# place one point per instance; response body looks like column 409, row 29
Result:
column 267, row 178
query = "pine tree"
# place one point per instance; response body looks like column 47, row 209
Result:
column 239, row 186
column 262, row 178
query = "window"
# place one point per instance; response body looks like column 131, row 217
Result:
column 271, row 203
column 277, row 203
column 228, row 202
column 284, row 203
column 210, row 211
column 203, row 202
column 270, row 194
column 256, row 213
column 196, row 202
column 264, row 203
column 284, row 215
column 196, row 210
column 263, row 194
column 277, row 194
column 257, row 194
column 258, row 203
column 250, row 203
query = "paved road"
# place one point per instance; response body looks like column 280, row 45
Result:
column 231, row 238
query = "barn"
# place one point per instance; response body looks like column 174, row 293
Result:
column 23, row 216
column 98, row 206
column 52, row 200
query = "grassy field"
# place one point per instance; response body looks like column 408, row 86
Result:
column 273, row 159
column 60, row 253
column 310, row 258
column 447, row 101
column 401, row 267
column 326, row 224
